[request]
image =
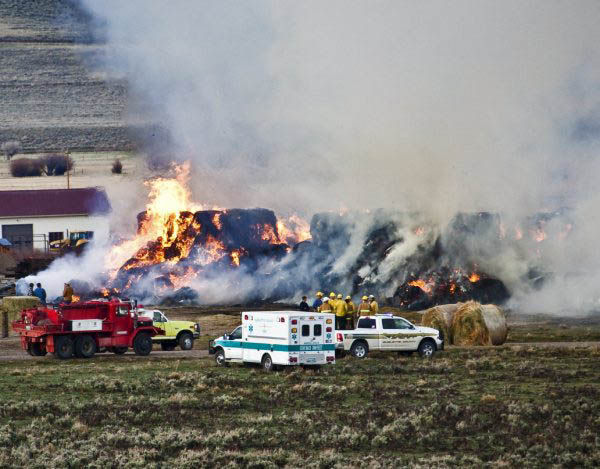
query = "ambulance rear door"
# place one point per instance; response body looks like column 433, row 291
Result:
column 311, row 333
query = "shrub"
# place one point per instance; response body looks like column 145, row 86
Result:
column 117, row 167
column 26, row 167
column 57, row 164
column 11, row 148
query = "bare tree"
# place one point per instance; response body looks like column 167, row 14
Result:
column 11, row 148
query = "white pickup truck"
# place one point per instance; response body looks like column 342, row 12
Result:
column 386, row 332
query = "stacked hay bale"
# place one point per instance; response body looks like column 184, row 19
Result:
column 468, row 323
column 440, row 318
column 476, row 324
column 11, row 308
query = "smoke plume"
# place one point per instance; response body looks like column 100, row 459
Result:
column 421, row 107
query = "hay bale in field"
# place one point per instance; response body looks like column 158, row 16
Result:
column 495, row 320
column 474, row 324
column 13, row 305
column 440, row 318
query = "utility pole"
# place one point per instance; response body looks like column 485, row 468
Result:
column 68, row 170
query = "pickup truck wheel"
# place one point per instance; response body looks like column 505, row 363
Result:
column 359, row 350
column 119, row 350
column 220, row 358
column 142, row 344
column 267, row 363
column 167, row 346
column 63, row 347
column 85, row 346
column 426, row 348
column 186, row 341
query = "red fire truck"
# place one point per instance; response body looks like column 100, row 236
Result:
column 84, row 328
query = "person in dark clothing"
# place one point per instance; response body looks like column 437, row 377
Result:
column 40, row 293
column 304, row 304
column 30, row 291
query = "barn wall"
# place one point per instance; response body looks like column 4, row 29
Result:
column 45, row 225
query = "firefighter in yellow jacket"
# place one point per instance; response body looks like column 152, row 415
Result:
column 332, row 300
column 340, row 309
column 350, row 310
column 364, row 309
column 325, row 307
column 373, row 304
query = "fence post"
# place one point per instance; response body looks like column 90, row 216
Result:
column 4, row 323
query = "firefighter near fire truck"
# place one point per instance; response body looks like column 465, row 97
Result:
column 86, row 328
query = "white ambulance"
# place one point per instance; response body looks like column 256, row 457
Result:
column 275, row 338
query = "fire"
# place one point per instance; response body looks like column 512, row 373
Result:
column 235, row 256
column 75, row 299
column 293, row 230
column 217, row 221
column 167, row 197
column 538, row 235
column 419, row 230
column 474, row 278
column 426, row 287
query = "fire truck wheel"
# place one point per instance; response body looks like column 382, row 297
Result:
column 36, row 350
column 167, row 346
column 63, row 347
column 85, row 346
column 186, row 341
column 267, row 362
column 119, row 350
column 142, row 344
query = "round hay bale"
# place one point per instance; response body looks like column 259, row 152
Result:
column 495, row 320
column 468, row 325
column 440, row 318
column 13, row 305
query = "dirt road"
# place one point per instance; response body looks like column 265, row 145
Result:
column 10, row 350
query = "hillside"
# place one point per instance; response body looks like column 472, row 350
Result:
column 50, row 97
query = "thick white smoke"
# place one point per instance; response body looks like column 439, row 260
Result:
column 433, row 107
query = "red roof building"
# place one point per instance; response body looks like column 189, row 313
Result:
column 54, row 202
column 36, row 218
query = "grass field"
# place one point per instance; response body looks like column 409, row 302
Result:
column 478, row 407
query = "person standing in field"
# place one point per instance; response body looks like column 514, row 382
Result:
column 325, row 307
column 350, row 310
column 67, row 294
column 364, row 309
column 30, row 290
column 340, row 309
column 304, row 304
column 373, row 304
column 40, row 293
column 318, row 302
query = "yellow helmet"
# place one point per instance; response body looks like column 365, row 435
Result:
column 319, row 294
column 332, row 295
column 348, row 297
column 365, row 298
column 340, row 296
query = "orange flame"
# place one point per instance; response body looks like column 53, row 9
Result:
column 426, row 287
column 474, row 278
